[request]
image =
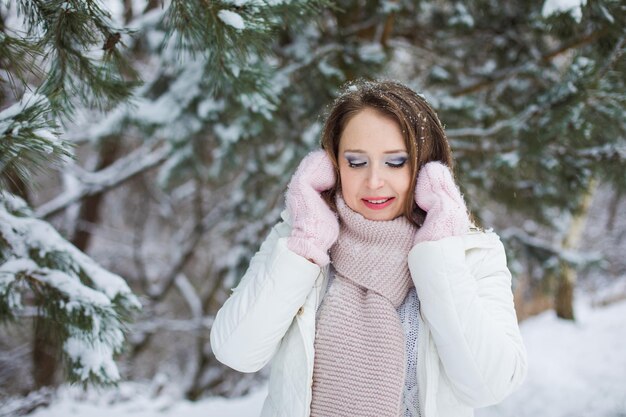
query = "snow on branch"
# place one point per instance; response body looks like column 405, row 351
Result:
column 497, row 127
column 29, row 139
column 84, row 304
column 604, row 152
column 91, row 183
column 570, row 256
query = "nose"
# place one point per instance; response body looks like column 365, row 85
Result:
column 374, row 178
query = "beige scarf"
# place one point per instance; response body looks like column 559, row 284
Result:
column 359, row 365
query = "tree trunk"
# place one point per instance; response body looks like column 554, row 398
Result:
column 128, row 11
column 89, row 212
column 564, row 300
column 45, row 349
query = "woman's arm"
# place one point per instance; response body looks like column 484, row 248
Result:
column 248, row 328
column 469, row 310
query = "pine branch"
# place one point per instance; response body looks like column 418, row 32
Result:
column 84, row 306
column 29, row 140
column 544, row 59
column 19, row 58
column 69, row 33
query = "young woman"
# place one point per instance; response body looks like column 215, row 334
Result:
column 376, row 295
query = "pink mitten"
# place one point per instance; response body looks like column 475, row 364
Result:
column 314, row 225
column 437, row 194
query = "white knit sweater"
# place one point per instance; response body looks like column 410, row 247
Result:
column 408, row 311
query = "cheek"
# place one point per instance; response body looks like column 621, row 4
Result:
column 349, row 181
column 403, row 184
column 344, row 178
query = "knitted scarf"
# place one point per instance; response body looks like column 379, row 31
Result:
column 359, row 364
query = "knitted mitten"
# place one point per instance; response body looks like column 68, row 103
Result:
column 437, row 194
column 314, row 225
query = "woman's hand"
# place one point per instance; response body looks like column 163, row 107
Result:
column 437, row 194
column 314, row 225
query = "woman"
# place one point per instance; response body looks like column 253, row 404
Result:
column 376, row 295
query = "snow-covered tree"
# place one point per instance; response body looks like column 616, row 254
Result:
column 533, row 95
column 81, row 304
column 173, row 84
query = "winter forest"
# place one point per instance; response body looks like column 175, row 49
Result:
column 146, row 146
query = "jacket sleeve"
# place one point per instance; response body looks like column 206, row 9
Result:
column 471, row 316
column 249, row 327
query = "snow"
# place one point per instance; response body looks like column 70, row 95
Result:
column 29, row 100
column 462, row 16
column 256, row 103
column 231, row 18
column 168, row 107
column 372, row 52
column 26, row 233
column 138, row 401
column 91, row 353
column 228, row 134
column 390, row 6
column 94, row 357
column 575, row 369
column 208, row 106
column 574, row 7
column 329, row 70
column 311, row 134
column 76, row 292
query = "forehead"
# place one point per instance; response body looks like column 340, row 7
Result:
column 372, row 132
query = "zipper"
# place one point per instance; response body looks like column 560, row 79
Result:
column 307, row 353
column 420, row 329
column 309, row 360
column 425, row 369
column 421, row 363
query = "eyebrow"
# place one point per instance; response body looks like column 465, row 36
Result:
column 386, row 152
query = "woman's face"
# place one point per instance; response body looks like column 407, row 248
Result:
column 373, row 166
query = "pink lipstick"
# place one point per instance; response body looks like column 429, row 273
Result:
column 377, row 203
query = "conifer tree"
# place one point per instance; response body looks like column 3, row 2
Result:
column 49, row 67
column 210, row 56
column 534, row 98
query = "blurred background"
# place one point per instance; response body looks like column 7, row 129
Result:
column 158, row 137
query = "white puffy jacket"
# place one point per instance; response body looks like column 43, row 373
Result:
column 470, row 352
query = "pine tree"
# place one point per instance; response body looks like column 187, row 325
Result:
column 534, row 98
column 213, row 61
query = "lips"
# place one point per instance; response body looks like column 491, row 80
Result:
column 377, row 203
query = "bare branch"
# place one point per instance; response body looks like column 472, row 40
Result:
column 172, row 325
column 189, row 240
column 189, row 293
column 121, row 171
column 571, row 256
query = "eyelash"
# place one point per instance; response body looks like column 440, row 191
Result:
column 360, row 164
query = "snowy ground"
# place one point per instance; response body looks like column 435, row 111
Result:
column 576, row 369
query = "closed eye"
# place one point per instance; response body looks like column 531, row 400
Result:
column 355, row 164
column 396, row 164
